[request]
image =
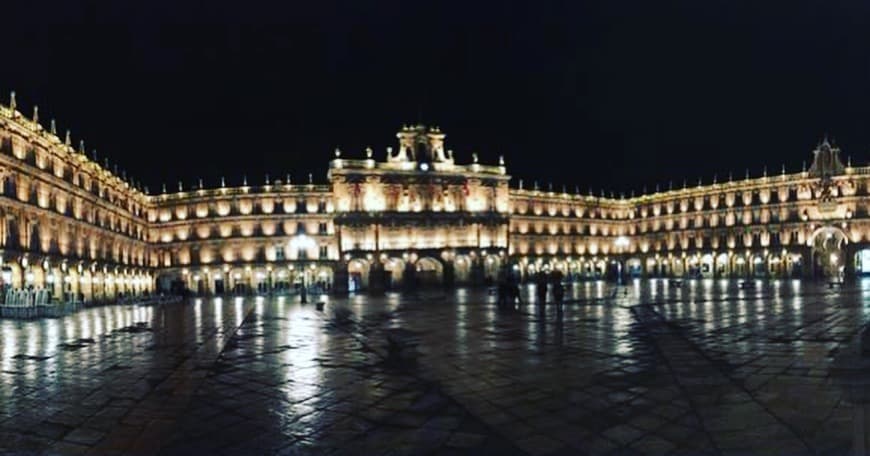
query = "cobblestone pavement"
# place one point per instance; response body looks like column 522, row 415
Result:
column 705, row 368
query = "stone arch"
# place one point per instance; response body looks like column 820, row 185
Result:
column 828, row 244
column 491, row 266
column 322, row 276
column 707, row 265
column 358, row 274
column 634, row 267
column 394, row 268
column 462, row 268
column 722, row 265
column 429, row 271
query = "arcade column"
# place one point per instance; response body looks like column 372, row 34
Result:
column 409, row 276
column 808, row 262
column 341, row 276
column 377, row 278
column 849, row 252
column 477, row 271
column 449, row 274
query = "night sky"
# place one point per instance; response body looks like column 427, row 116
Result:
column 613, row 94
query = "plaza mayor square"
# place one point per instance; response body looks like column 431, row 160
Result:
column 385, row 228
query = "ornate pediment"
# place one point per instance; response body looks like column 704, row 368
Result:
column 826, row 161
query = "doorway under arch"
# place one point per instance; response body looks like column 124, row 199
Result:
column 828, row 245
column 430, row 271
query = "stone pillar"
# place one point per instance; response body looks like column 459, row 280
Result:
column 377, row 278
column 808, row 262
column 449, row 274
column 340, row 277
column 409, row 276
column 849, row 262
column 477, row 271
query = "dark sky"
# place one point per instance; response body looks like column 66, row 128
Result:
column 614, row 94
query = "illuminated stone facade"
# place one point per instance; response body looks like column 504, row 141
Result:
column 69, row 225
column 412, row 215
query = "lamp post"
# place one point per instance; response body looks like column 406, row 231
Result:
column 304, row 293
column 303, row 243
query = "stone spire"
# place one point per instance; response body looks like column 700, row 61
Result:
column 223, row 182
column 67, row 140
column 520, row 184
column 501, row 160
column 337, row 152
column 200, row 183
column 164, row 187
column 267, row 178
column 288, row 179
column 94, row 156
column 13, row 104
column 310, row 179
column 82, row 146
column 53, row 127
column 244, row 180
column 180, row 186
column 35, row 114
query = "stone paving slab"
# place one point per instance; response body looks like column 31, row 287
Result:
column 702, row 369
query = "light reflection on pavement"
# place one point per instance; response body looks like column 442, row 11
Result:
column 706, row 367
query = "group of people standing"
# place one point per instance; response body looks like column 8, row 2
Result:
column 554, row 281
column 509, row 288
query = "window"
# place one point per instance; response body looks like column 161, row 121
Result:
column 279, row 253
column 302, row 254
column 321, row 228
column 324, row 252
column 321, row 207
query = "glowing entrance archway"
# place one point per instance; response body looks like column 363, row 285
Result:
column 828, row 246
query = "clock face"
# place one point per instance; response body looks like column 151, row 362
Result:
column 424, row 166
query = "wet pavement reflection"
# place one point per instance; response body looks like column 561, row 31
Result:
column 651, row 368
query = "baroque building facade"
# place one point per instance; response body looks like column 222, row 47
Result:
column 410, row 216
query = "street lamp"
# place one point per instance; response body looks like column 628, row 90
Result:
column 302, row 243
